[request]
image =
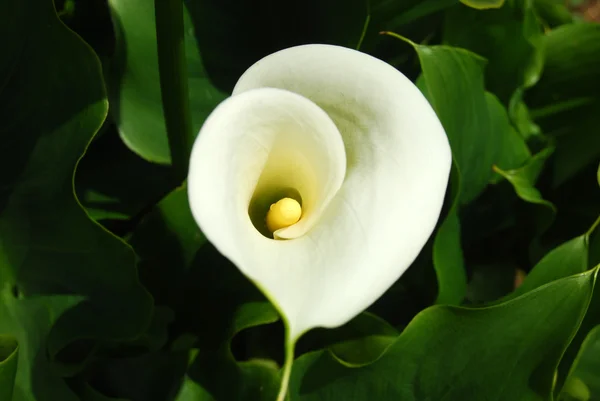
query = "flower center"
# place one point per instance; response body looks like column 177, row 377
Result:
column 273, row 208
column 283, row 213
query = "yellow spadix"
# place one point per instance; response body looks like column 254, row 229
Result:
column 283, row 213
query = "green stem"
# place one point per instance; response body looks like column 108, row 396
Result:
column 173, row 83
column 593, row 227
column 556, row 108
column 287, row 368
column 364, row 32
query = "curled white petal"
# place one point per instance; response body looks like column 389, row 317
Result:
column 369, row 224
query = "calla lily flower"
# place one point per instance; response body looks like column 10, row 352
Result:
column 321, row 178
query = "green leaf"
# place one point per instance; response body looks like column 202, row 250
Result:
column 53, row 103
column 8, row 365
column 113, row 183
column 480, row 135
column 584, row 378
column 509, row 38
column 206, row 291
column 167, row 240
column 447, row 251
column 222, row 40
column 565, row 260
column 453, row 84
column 483, row 4
column 570, row 67
column 523, row 181
column 192, row 391
column 553, row 12
column 592, row 318
column 505, row 352
column 134, row 86
column 512, row 149
column 521, row 118
column 448, row 260
column 216, row 370
column 565, row 101
column 359, row 342
column 31, row 320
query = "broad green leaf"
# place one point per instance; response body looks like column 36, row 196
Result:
column 504, row 352
column 32, row 319
column 134, row 86
column 205, row 291
column 567, row 259
column 480, row 135
column 436, row 62
column 476, row 124
column 53, row 103
column 8, row 365
column 509, row 38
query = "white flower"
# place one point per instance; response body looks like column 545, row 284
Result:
column 357, row 144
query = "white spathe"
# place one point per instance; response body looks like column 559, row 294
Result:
column 363, row 148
